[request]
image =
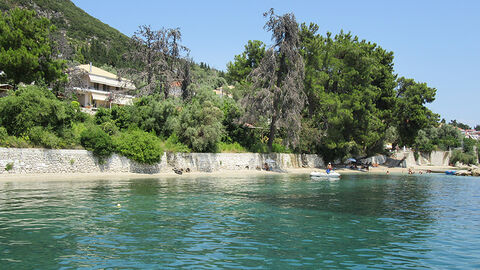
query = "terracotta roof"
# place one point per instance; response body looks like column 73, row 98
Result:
column 176, row 84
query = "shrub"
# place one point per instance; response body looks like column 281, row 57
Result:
column 76, row 132
column 468, row 145
column 310, row 136
column 262, row 147
column 235, row 131
column 279, row 148
column 139, row 145
column 109, row 127
column 3, row 134
column 259, row 147
column 153, row 114
column 231, row 148
column 464, row 158
column 41, row 137
column 448, row 137
column 75, row 104
column 201, row 127
column 34, row 106
column 423, row 141
column 122, row 116
column 12, row 141
column 173, row 144
column 103, row 115
column 9, row 166
column 81, row 116
column 96, row 140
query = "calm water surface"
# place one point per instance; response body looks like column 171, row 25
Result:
column 267, row 222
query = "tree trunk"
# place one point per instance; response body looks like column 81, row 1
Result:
column 166, row 90
column 271, row 136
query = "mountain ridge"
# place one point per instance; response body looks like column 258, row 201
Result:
column 96, row 41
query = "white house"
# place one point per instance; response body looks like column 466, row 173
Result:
column 4, row 88
column 100, row 88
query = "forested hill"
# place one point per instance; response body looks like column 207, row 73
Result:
column 89, row 38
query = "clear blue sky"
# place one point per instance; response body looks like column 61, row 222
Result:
column 436, row 42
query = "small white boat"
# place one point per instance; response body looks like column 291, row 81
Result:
column 332, row 174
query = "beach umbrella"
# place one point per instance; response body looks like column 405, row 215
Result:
column 351, row 160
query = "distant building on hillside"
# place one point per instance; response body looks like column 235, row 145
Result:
column 175, row 89
column 222, row 93
column 471, row 133
column 99, row 88
column 4, row 88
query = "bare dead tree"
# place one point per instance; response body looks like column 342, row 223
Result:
column 175, row 61
column 157, row 55
column 60, row 45
column 76, row 81
column 277, row 89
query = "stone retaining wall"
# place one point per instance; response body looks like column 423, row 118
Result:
column 28, row 160
column 406, row 159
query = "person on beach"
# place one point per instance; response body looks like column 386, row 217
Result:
column 329, row 167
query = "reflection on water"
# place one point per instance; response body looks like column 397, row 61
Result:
column 360, row 221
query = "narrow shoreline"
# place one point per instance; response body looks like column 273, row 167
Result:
column 221, row 173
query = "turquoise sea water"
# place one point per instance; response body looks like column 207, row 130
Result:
column 269, row 222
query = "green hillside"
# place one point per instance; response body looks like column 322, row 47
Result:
column 90, row 39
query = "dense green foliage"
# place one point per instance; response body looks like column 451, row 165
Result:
column 354, row 97
column 139, row 145
column 45, row 138
column 444, row 137
column 411, row 113
column 462, row 157
column 199, row 122
column 151, row 114
column 469, row 146
column 355, row 103
column 173, row 144
column 89, row 38
column 96, row 140
column 236, row 132
column 447, row 137
column 246, row 62
column 33, row 106
column 350, row 89
column 33, row 116
column 77, row 22
column 231, row 147
column 26, row 49
column 201, row 125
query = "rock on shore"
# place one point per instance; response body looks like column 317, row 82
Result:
column 471, row 171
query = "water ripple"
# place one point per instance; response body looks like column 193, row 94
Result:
column 363, row 221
